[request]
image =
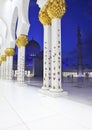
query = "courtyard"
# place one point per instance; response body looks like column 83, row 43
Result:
column 24, row 107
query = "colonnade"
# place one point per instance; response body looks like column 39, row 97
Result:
column 50, row 16
column 13, row 23
column 6, row 60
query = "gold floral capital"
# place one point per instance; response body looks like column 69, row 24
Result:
column 43, row 16
column 3, row 58
column 22, row 41
column 9, row 52
column 56, row 8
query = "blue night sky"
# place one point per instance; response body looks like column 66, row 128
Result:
column 79, row 12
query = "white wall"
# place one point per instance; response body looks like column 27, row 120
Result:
column 3, row 33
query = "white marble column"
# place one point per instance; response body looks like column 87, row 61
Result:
column 56, row 56
column 2, row 70
column 0, row 67
column 9, row 62
column 55, row 11
column 46, row 22
column 21, row 42
column 47, row 58
column 3, row 58
column 21, row 64
column 7, row 68
column 10, row 67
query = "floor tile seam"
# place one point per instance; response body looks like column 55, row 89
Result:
column 12, row 126
column 64, row 115
column 41, row 118
column 58, row 113
column 73, row 120
column 69, row 99
column 52, row 115
column 18, row 115
column 46, row 117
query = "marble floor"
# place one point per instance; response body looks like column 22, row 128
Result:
column 23, row 107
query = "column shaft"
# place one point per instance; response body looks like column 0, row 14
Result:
column 2, row 70
column 10, row 67
column 7, row 67
column 47, row 58
column 56, row 55
column 21, row 64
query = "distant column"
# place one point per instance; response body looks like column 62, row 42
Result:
column 7, row 66
column 3, row 58
column 9, row 63
column 21, row 43
column 0, row 67
column 2, row 70
column 46, row 22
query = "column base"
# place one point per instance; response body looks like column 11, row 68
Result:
column 56, row 90
column 7, row 77
column 45, row 88
column 53, row 93
column 2, row 77
column 18, row 80
column 58, row 93
column 10, row 78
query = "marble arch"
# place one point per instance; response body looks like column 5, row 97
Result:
column 10, row 11
column 23, row 23
column 3, row 30
column 13, row 22
column 3, row 34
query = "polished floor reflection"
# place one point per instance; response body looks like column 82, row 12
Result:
column 23, row 107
